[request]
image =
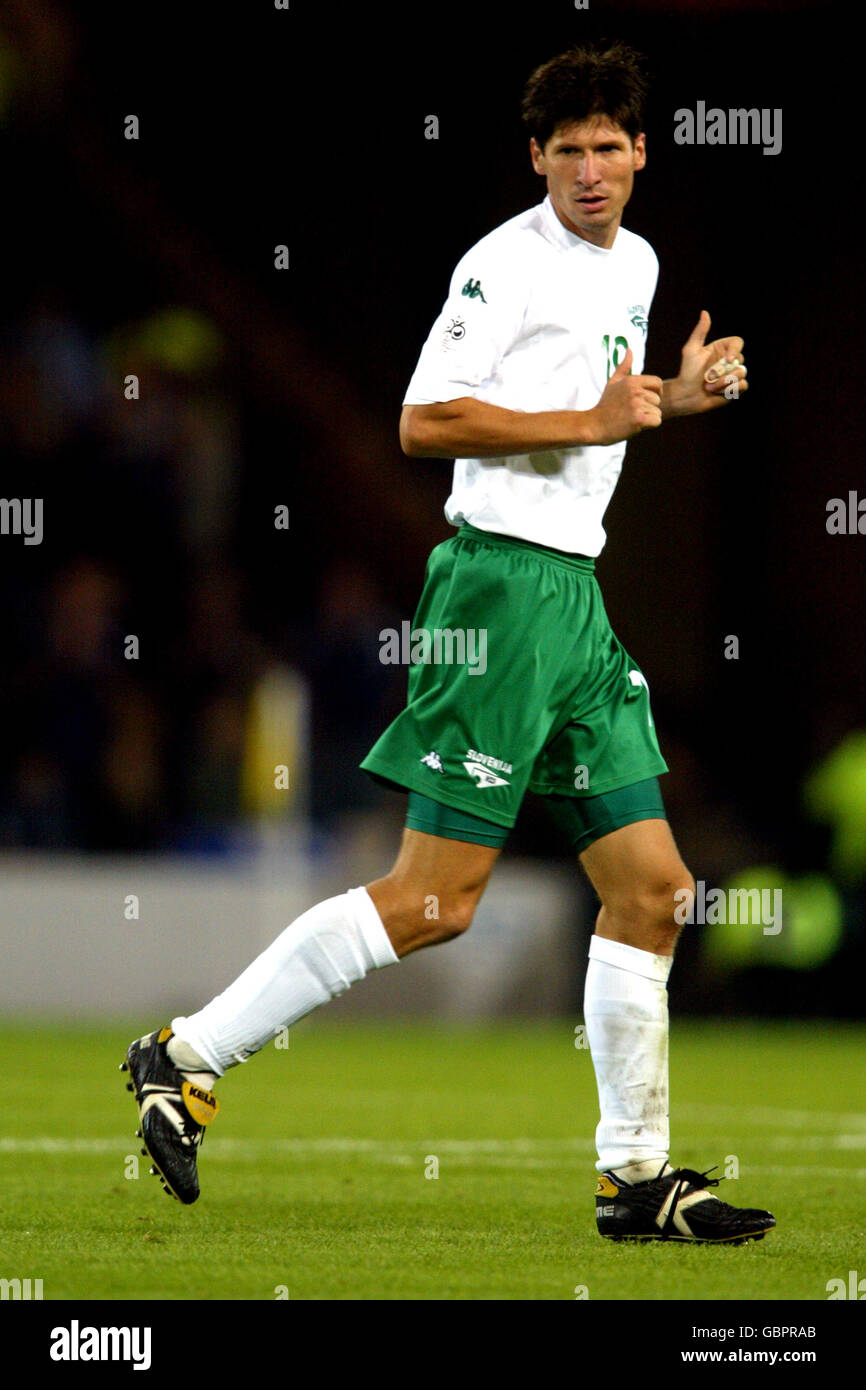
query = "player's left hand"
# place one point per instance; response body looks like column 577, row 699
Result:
column 711, row 374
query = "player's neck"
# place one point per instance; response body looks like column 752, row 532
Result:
column 602, row 237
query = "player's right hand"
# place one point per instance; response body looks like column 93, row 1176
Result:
column 628, row 405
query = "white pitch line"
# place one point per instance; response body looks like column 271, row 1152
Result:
column 815, row 1141
column 779, row 1119
column 518, row 1153
column 61, row 1146
column 375, row 1148
column 801, row 1171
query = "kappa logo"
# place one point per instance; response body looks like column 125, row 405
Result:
column 472, row 288
column 484, row 777
column 433, row 760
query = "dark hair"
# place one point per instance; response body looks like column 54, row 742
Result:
column 589, row 80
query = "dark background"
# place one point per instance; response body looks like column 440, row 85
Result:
column 306, row 127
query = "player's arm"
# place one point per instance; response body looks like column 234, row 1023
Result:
column 711, row 374
column 470, row 428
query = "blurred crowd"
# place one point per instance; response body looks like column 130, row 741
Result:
column 132, row 636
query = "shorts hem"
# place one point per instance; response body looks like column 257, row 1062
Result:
column 474, row 837
column 402, row 781
column 615, row 823
column 616, row 784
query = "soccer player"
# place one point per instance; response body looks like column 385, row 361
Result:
column 532, row 381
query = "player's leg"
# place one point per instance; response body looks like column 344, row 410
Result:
column 627, row 849
column 432, row 891
column 638, row 873
column 429, row 896
column 463, row 748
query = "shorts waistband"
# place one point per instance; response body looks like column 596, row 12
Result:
column 581, row 564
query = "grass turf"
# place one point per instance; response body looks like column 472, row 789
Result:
column 315, row 1174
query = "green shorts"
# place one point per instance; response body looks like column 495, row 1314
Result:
column 515, row 682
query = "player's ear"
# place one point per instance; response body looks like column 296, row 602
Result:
column 537, row 156
column 640, row 151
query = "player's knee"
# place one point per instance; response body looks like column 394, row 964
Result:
column 662, row 903
column 450, row 917
column 684, row 898
column 415, row 917
column 654, row 907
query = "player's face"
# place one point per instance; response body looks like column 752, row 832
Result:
column 590, row 168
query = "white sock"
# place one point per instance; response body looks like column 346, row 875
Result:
column 187, row 1060
column 626, row 1014
column 318, row 957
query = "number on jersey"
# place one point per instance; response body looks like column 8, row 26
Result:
column 615, row 354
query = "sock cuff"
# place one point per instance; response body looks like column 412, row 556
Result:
column 369, row 924
column 181, row 1029
column 631, row 958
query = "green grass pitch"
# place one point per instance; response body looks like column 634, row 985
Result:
column 317, row 1176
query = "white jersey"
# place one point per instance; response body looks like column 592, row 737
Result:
column 536, row 319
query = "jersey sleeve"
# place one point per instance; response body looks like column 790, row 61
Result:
column 478, row 323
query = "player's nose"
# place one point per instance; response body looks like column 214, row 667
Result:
column 588, row 174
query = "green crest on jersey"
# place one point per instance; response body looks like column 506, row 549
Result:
column 473, row 289
column 637, row 314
